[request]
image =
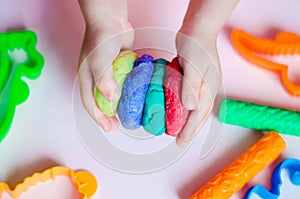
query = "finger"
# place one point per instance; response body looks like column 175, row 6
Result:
column 213, row 78
column 108, row 86
column 105, row 81
column 191, row 84
column 86, row 90
column 100, row 48
column 100, row 60
column 197, row 117
column 127, row 36
column 209, row 89
column 115, row 123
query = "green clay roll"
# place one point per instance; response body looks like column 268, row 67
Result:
column 154, row 113
column 258, row 117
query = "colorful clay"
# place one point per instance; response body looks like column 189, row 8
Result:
column 233, row 177
column 258, row 117
column 134, row 93
column 153, row 119
column 122, row 66
column 176, row 114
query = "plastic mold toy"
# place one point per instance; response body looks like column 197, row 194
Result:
column 38, row 185
column 285, row 43
column 18, row 58
column 292, row 165
column 258, row 117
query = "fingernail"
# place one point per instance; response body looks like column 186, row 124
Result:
column 105, row 128
column 190, row 103
column 181, row 143
column 115, row 125
column 114, row 95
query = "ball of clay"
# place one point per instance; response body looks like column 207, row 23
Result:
column 122, row 65
column 134, row 93
column 176, row 114
column 153, row 119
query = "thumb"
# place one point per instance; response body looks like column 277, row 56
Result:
column 191, row 85
column 100, row 61
column 107, row 85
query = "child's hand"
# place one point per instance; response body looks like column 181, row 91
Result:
column 197, row 47
column 202, row 79
column 107, row 32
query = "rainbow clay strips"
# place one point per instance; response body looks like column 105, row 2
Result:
column 134, row 93
column 122, row 65
column 18, row 58
column 258, row 117
column 153, row 119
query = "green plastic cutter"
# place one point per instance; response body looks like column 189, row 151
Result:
column 18, row 58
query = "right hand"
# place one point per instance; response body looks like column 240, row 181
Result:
column 198, row 57
column 107, row 32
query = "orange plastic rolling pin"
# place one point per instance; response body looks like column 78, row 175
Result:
column 232, row 178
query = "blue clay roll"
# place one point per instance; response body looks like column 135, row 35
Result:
column 135, row 88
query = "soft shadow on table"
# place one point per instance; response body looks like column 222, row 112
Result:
column 16, row 27
column 218, row 99
column 19, row 174
column 262, row 102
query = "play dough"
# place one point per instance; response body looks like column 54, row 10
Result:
column 176, row 114
column 134, row 93
column 154, row 111
column 122, row 65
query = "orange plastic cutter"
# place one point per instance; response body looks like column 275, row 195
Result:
column 82, row 180
column 285, row 43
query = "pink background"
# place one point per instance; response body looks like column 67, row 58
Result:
column 43, row 132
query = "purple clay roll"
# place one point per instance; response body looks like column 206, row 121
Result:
column 134, row 93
